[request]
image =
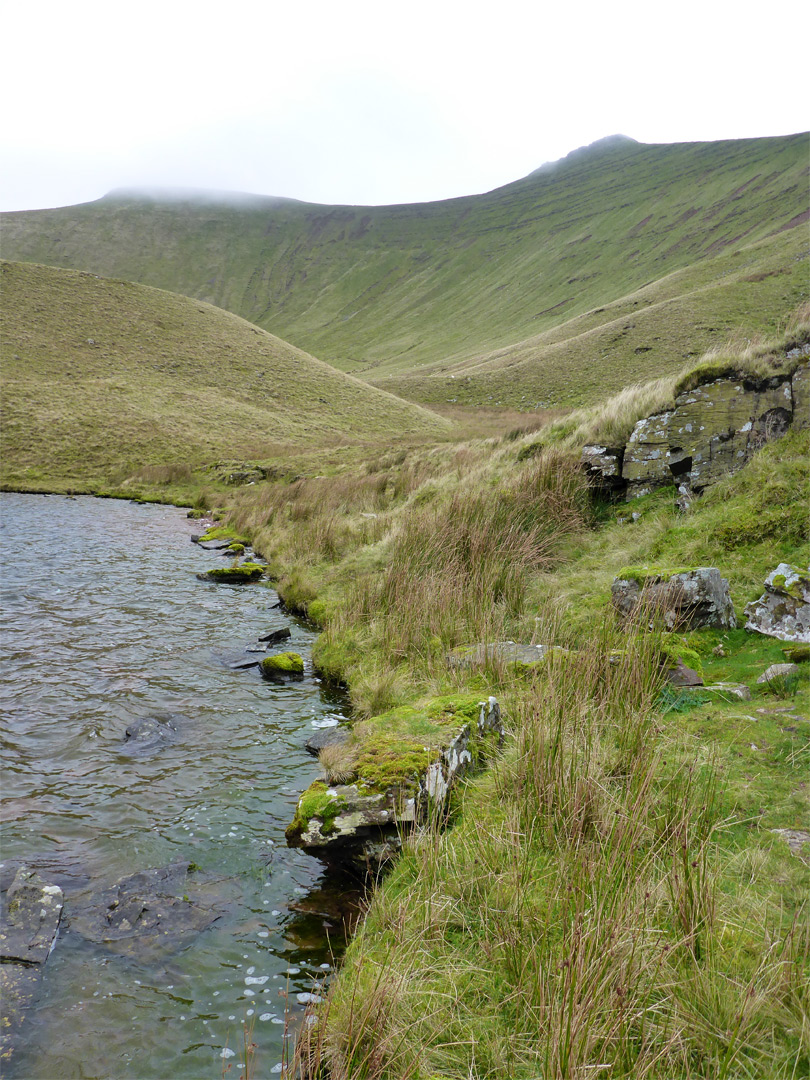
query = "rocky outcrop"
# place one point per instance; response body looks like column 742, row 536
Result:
column 710, row 431
column 783, row 610
column 682, row 599
column 403, row 764
column 28, row 930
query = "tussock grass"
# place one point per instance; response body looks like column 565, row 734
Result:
column 578, row 916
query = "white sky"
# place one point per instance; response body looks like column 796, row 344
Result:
column 368, row 101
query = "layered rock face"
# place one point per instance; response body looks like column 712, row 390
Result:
column 681, row 599
column 400, row 769
column 711, row 431
column 783, row 610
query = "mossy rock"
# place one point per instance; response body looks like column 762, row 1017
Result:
column 223, row 532
column 279, row 666
column 643, row 574
column 318, row 801
column 234, row 575
column 404, row 762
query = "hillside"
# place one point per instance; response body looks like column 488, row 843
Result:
column 620, row 262
column 102, row 377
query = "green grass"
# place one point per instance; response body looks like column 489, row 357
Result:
column 619, row 264
column 105, row 380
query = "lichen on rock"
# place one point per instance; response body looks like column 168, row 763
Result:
column 681, row 599
column 783, row 610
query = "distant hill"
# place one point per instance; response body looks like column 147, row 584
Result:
column 103, row 377
column 619, row 262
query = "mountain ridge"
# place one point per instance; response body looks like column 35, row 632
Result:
column 405, row 295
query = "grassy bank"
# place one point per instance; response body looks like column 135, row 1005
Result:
column 611, row 896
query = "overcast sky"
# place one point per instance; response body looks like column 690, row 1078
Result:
column 368, row 101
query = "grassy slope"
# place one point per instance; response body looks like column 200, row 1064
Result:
column 611, row 892
column 503, row 287
column 102, row 377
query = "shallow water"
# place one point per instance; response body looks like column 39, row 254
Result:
column 105, row 623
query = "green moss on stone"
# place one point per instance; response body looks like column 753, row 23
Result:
column 315, row 802
column 642, row 574
column 391, row 761
column 234, row 575
column 285, row 663
column 223, row 532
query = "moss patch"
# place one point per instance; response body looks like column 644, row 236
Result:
column 643, row 574
column 315, row 803
column 234, row 575
column 288, row 664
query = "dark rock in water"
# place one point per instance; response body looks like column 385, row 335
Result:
column 334, row 736
column 149, row 734
column 209, row 545
column 146, row 915
column 276, row 636
column 33, row 911
column 243, row 665
column 28, row 931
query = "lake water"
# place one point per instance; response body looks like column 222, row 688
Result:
column 106, row 623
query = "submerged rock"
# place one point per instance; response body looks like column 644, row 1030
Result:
column 682, row 599
column 783, row 610
column 282, row 666
column 150, row 734
column 28, row 929
column 404, row 762
column 147, row 914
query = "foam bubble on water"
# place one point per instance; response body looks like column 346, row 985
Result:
column 263, row 933
column 277, row 1020
column 249, row 993
column 326, row 967
column 266, row 1016
column 256, row 980
column 250, row 1012
column 226, row 1053
column 250, row 970
column 277, row 1068
column 274, row 912
column 231, row 1017
column 293, row 971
